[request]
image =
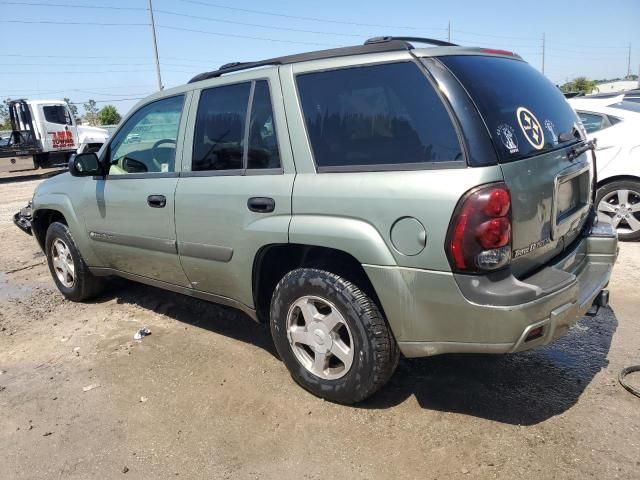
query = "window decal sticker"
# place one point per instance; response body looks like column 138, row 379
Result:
column 508, row 136
column 531, row 128
column 548, row 124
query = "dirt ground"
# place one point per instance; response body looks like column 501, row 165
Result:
column 206, row 397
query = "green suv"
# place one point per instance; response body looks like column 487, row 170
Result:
column 366, row 201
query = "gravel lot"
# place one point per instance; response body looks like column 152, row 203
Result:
column 206, row 397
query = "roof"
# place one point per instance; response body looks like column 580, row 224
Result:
column 373, row 45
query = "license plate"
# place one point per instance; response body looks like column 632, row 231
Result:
column 572, row 195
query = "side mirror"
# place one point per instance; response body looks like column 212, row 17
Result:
column 85, row 165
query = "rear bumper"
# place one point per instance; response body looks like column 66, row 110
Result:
column 431, row 313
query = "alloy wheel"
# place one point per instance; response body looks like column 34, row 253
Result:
column 320, row 337
column 622, row 209
column 63, row 263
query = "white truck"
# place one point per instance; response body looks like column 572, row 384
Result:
column 44, row 133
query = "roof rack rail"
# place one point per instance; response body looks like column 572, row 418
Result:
column 373, row 45
column 233, row 67
column 430, row 41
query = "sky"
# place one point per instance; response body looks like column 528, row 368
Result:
column 103, row 50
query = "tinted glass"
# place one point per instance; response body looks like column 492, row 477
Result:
column 376, row 115
column 591, row 122
column 147, row 141
column 627, row 105
column 524, row 111
column 57, row 114
column 263, row 144
column 219, row 133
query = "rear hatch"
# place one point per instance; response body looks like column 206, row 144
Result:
column 533, row 128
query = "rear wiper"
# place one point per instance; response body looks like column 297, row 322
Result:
column 577, row 151
column 573, row 134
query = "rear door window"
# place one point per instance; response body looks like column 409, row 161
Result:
column 219, row 134
column 223, row 139
column 526, row 114
column 376, row 117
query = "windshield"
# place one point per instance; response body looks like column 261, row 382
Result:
column 626, row 105
column 525, row 113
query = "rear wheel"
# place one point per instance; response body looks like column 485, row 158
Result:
column 619, row 203
column 331, row 336
column 70, row 274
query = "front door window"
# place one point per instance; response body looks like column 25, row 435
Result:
column 147, row 142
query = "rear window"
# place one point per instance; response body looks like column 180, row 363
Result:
column 525, row 113
column 376, row 117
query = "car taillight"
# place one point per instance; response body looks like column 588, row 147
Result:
column 479, row 237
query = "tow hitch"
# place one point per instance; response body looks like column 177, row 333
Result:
column 602, row 300
column 22, row 219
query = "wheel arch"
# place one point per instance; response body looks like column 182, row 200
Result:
column 51, row 207
column 272, row 262
column 617, row 178
column 40, row 221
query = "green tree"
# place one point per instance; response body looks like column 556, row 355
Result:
column 91, row 113
column 579, row 84
column 109, row 115
column 5, row 121
column 73, row 108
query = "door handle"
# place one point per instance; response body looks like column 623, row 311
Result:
column 261, row 204
column 157, row 201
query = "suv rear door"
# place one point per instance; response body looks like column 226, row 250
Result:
column 533, row 128
column 234, row 195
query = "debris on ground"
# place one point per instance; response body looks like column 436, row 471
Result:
column 143, row 332
column 125, row 469
column 143, row 399
column 90, row 387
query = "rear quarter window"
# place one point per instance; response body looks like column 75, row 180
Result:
column 524, row 112
column 376, row 117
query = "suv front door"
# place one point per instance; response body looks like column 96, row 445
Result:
column 129, row 215
column 234, row 194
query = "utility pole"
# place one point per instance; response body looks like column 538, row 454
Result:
column 449, row 36
column 629, row 62
column 155, row 46
column 543, row 52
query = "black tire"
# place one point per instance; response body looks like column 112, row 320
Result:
column 634, row 197
column 85, row 284
column 375, row 352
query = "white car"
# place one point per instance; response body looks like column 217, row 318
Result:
column 615, row 123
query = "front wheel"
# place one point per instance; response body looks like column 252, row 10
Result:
column 70, row 274
column 331, row 336
column 619, row 203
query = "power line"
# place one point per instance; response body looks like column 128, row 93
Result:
column 477, row 34
column 311, row 19
column 107, row 101
column 233, row 22
column 80, row 72
column 234, row 35
column 110, row 56
column 65, row 5
column 66, row 22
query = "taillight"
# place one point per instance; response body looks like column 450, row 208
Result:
column 479, row 237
